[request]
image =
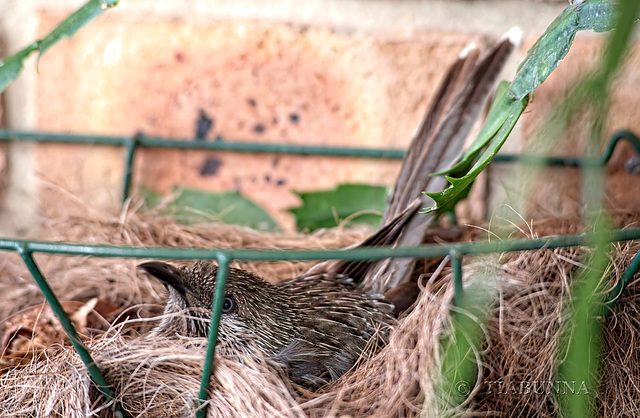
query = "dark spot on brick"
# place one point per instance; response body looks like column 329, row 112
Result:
column 203, row 125
column 274, row 121
column 281, row 182
column 252, row 102
column 210, row 167
column 237, row 184
column 267, row 178
column 275, row 161
column 179, row 57
column 259, row 128
column 294, row 118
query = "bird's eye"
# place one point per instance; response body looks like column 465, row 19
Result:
column 228, row 305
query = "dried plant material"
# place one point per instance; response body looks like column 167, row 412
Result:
column 29, row 334
column 115, row 280
column 152, row 377
column 161, row 377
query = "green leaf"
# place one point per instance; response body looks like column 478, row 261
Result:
column 192, row 206
column 545, row 54
column 460, row 344
column 151, row 199
column 598, row 15
column 495, row 119
column 73, row 23
column 507, row 111
column 11, row 67
column 553, row 45
column 357, row 203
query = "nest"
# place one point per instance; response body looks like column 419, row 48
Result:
column 526, row 292
column 114, row 279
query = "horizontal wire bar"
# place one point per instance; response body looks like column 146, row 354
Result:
column 575, row 161
column 224, row 256
column 221, row 144
column 355, row 254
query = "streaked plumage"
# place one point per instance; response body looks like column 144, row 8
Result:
column 315, row 326
column 318, row 324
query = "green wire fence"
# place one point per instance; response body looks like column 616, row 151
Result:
column 456, row 251
column 132, row 143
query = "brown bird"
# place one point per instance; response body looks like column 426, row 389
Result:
column 317, row 325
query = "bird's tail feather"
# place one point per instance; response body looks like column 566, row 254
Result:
column 436, row 146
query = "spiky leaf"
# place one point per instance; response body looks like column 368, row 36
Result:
column 500, row 122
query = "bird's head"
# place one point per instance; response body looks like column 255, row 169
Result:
column 253, row 312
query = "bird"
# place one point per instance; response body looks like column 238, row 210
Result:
column 317, row 325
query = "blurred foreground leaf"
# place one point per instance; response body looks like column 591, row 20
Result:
column 357, row 203
column 191, row 206
column 582, row 361
column 553, row 45
column 11, row 67
column 461, row 344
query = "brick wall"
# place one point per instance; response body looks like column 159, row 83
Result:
column 353, row 73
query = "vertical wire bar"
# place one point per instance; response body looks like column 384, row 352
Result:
column 456, row 268
column 69, row 329
column 216, row 309
column 130, row 145
column 628, row 274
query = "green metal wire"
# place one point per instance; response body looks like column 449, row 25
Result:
column 224, row 256
column 354, row 254
column 216, row 309
column 629, row 136
column 454, row 250
column 456, row 269
column 628, row 274
column 69, row 329
column 220, row 144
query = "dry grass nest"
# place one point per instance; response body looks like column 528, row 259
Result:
column 527, row 294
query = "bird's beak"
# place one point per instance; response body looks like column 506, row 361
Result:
column 166, row 273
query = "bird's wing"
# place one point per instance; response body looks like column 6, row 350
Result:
column 436, row 146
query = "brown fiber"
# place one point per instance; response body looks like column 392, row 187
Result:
column 527, row 293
